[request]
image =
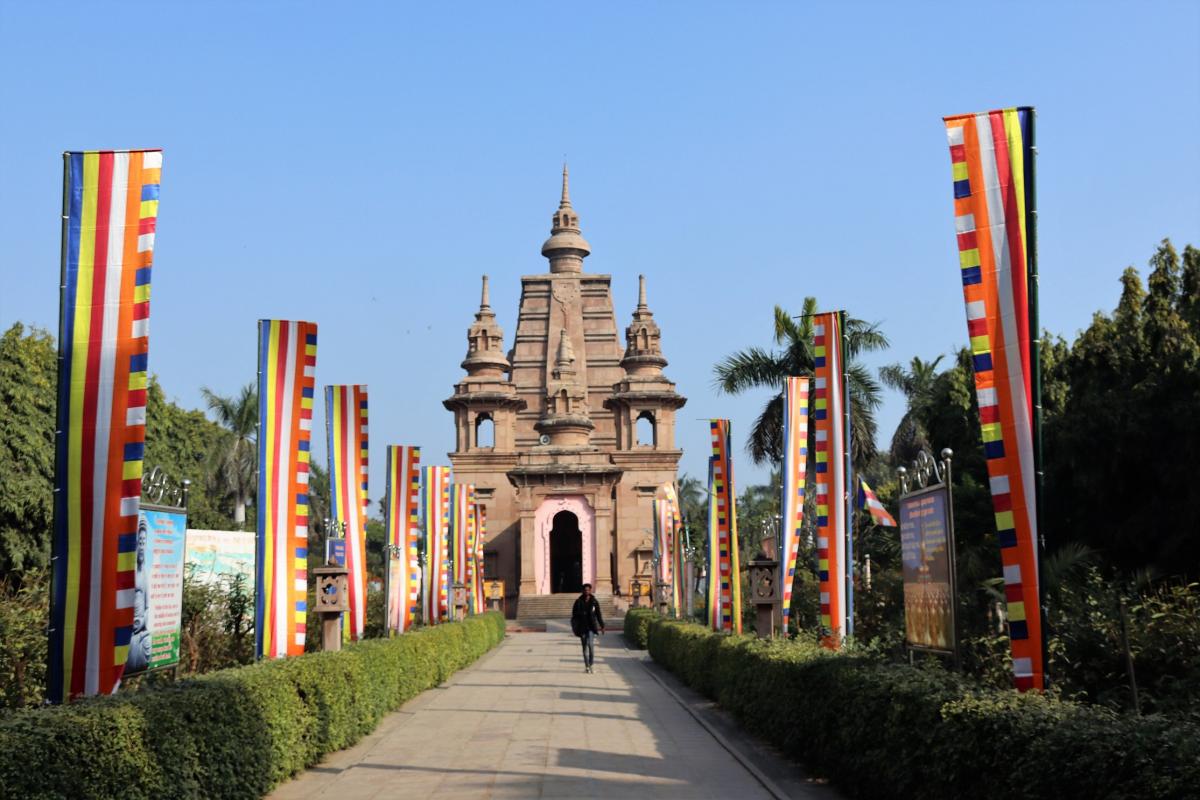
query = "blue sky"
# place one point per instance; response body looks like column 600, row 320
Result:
column 362, row 166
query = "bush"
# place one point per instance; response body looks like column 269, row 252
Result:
column 637, row 626
column 891, row 730
column 233, row 733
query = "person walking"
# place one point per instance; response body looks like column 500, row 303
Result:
column 586, row 623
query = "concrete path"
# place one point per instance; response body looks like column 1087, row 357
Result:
column 526, row 721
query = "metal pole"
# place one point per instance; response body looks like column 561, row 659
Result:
column 260, row 532
column 1035, row 359
column 387, row 551
column 848, row 498
column 947, row 457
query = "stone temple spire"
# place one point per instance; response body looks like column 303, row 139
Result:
column 485, row 342
column 565, row 248
column 643, row 351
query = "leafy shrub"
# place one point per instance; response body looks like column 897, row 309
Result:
column 637, row 626
column 234, row 733
column 891, row 730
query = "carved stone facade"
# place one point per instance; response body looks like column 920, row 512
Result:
column 567, row 483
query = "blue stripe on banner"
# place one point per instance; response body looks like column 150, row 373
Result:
column 301, row 552
column 1007, row 538
column 301, row 498
column 60, row 547
column 139, row 362
column 301, row 605
column 823, row 575
column 304, row 445
column 971, row 276
column 307, row 391
column 150, row 191
column 310, row 338
column 260, row 603
column 993, row 450
column 1018, row 629
column 982, row 362
column 962, row 188
column 822, row 521
column 127, row 543
column 142, row 276
column 122, row 635
column 135, row 451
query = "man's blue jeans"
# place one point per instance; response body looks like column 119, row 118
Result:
column 589, row 647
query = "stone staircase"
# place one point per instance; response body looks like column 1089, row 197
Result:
column 541, row 607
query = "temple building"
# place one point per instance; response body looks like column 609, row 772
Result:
column 568, row 434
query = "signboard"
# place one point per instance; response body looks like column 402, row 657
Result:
column 216, row 557
column 926, row 550
column 335, row 552
column 157, row 589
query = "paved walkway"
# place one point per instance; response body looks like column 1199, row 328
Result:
column 526, row 721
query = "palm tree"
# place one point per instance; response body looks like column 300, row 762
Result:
column 756, row 367
column 916, row 383
column 234, row 462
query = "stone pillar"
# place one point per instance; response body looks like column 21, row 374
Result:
column 528, row 576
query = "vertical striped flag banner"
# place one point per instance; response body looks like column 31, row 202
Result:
column 287, row 364
column 435, row 523
column 675, row 548
column 667, row 539
column 403, row 530
column 868, row 502
column 461, row 515
column 724, row 582
column 992, row 163
column 346, row 448
column 480, row 537
column 828, row 408
column 110, row 209
column 470, row 553
column 795, row 465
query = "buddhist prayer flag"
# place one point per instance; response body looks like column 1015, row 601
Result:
column 480, row 538
column 795, row 464
column 992, row 164
column 404, row 529
column 828, row 410
column 346, row 429
column 472, row 556
column 724, row 581
column 435, row 523
column 287, row 364
column 110, row 208
column 868, row 502
column 462, row 518
column 675, row 545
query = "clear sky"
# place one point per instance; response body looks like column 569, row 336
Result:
column 362, row 165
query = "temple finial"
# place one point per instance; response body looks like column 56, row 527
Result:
column 566, row 194
column 641, row 293
column 485, row 302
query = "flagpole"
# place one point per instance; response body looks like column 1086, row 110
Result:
column 1035, row 360
column 847, row 497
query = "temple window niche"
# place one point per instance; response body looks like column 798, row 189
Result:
column 485, row 431
column 645, row 430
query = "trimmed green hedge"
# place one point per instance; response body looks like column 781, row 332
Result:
column 637, row 626
column 891, row 730
column 234, row 733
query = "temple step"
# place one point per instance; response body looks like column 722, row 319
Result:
column 541, row 607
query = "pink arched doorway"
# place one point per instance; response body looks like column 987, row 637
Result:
column 564, row 552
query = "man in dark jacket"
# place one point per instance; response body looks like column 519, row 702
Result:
column 586, row 622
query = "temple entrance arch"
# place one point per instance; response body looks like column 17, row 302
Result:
column 564, row 553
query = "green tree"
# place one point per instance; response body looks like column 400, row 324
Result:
column 917, row 383
column 235, row 458
column 756, row 367
column 181, row 442
column 1123, row 452
column 27, row 406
